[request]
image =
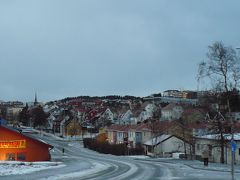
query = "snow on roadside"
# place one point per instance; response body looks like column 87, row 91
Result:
column 97, row 167
column 17, row 167
column 139, row 157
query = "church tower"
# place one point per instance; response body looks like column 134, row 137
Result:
column 35, row 100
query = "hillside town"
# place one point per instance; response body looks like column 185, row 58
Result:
column 160, row 125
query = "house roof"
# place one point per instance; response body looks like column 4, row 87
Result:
column 117, row 127
column 169, row 107
column 157, row 140
column 143, row 127
column 217, row 137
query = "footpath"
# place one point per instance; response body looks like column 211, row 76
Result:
column 195, row 164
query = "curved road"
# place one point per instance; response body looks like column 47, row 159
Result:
column 81, row 163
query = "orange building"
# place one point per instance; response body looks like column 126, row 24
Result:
column 15, row 146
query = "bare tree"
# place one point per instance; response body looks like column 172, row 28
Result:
column 222, row 68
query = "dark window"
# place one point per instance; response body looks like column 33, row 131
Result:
column 239, row 151
column 21, row 157
column 10, row 157
column 198, row 146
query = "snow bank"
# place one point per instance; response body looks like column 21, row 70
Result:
column 138, row 157
column 97, row 167
column 17, row 167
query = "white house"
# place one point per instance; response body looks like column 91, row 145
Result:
column 165, row 145
column 127, row 118
column 137, row 134
column 171, row 112
column 108, row 114
column 147, row 112
column 212, row 144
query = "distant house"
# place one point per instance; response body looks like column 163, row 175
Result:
column 234, row 115
column 12, row 113
column 73, row 129
column 180, row 94
column 107, row 114
column 164, row 145
column 171, row 112
column 92, row 114
column 193, row 115
column 147, row 112
column 16, row 146
column 172, row 93
column 122, row 135
column 112, row 133
column 59, row 124
column 137, row 134
column 104, row 118
column 80, row 114
column 127, row 118
column 132, row 135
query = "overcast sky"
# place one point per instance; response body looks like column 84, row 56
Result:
column 64, row 48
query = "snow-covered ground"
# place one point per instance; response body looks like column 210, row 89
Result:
column 81, row 162
column 94, row 169
column 17, row 167
column 193, row 164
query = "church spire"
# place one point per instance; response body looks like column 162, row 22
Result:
column 35, row 100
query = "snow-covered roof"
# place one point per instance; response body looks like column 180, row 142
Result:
column 157, row 140
column 217, row 136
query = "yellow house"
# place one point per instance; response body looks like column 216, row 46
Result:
column 73, row 128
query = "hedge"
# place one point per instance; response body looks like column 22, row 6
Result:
column 115, row 149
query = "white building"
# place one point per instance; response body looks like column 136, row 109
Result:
column 171, row 112
column 212, row 144
column 165, row 145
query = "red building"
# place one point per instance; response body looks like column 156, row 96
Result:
column 15, row 146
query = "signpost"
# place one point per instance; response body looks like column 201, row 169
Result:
column 233, row 147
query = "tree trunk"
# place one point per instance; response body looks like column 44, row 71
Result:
column 222, row 149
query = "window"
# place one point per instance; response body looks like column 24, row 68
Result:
column 239, row 151
column 198, row 146
column 10, row 157
column 21, row 157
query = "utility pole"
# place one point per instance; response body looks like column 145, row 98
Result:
column 233, row 149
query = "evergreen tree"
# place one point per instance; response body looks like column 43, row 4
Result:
column 38, row 116
column 24, row 116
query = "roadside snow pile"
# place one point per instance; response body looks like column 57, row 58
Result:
column 16, row 167
column 139, row 157
column 96, row 168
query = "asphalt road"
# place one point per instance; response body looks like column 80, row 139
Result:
column 80, row 164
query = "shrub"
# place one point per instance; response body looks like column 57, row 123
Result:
column 105, row 147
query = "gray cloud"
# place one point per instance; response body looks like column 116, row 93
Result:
column 69, row 48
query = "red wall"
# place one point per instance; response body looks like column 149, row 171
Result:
column 34, row 151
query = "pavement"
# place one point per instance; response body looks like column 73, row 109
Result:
column 196, row 164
